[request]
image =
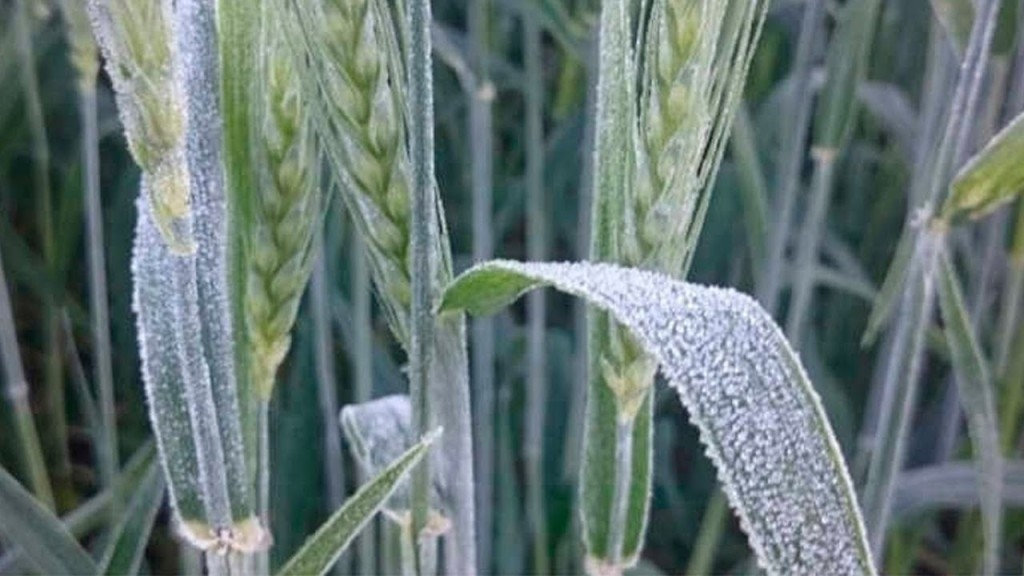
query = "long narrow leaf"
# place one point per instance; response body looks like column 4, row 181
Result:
column 128, row 541
column 323, row 548
column 953, row 485
column 976, row 390
column 761, row 421
column 45, row 541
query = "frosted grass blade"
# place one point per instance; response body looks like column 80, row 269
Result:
column 760, row 420
column 323, row 548
column 976, row 391
column 163, row 372
column 45, row 541
column 196, row 39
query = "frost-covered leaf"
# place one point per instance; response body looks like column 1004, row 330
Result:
column 976, row 391
column 991, row 178
column 163, row 371
column 378, row 432
column 324, row 547
column 759, row 417
column 202, row 459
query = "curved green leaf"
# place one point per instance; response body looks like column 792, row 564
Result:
column 991, row 178
column 760, row 420
column 324, row 547
column 46, row 542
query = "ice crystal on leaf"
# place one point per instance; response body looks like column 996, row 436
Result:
column 759, row 418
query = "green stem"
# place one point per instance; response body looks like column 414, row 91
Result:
column 792, row 156
column 408, row 549
column 809, row 243
column 334, row 471
column 482, row 174
column 104, row 372
column 536, row 248
column 424, row 218
column 56, row 424
column 16, row 392
column 362, row 374
column 711, row 528
column 904, row 366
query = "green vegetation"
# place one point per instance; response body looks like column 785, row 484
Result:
column 239, row 242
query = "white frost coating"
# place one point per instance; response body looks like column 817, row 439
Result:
column 379, row 432
column 197, row 72
column 761, row 421
column 163, row 368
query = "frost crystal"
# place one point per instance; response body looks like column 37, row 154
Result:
column 761, row 421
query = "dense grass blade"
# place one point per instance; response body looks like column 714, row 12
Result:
column 760, row 420
column 53, row 414
column 787, row 178
column 95, row 512
column 129, row 537
column 46, row 542
column 323, row 548
column 837, row 112
column 976, row 391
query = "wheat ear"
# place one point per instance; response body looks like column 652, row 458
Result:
column 135, row 38
column 675, row 120
column 285, row 212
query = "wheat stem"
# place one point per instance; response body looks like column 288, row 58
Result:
column 536, row 248
column 798, row 112
column 481, row 155
column 16, row 394
column 421, row 348
column 85, row 58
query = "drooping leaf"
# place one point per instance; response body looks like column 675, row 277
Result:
column 976, row 392
column 324, row 547
column 378, row 432
column 131, row 534
column 760, row 420
column 991, row 178
column 45, row 541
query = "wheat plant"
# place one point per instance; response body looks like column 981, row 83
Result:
column 234, row 153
